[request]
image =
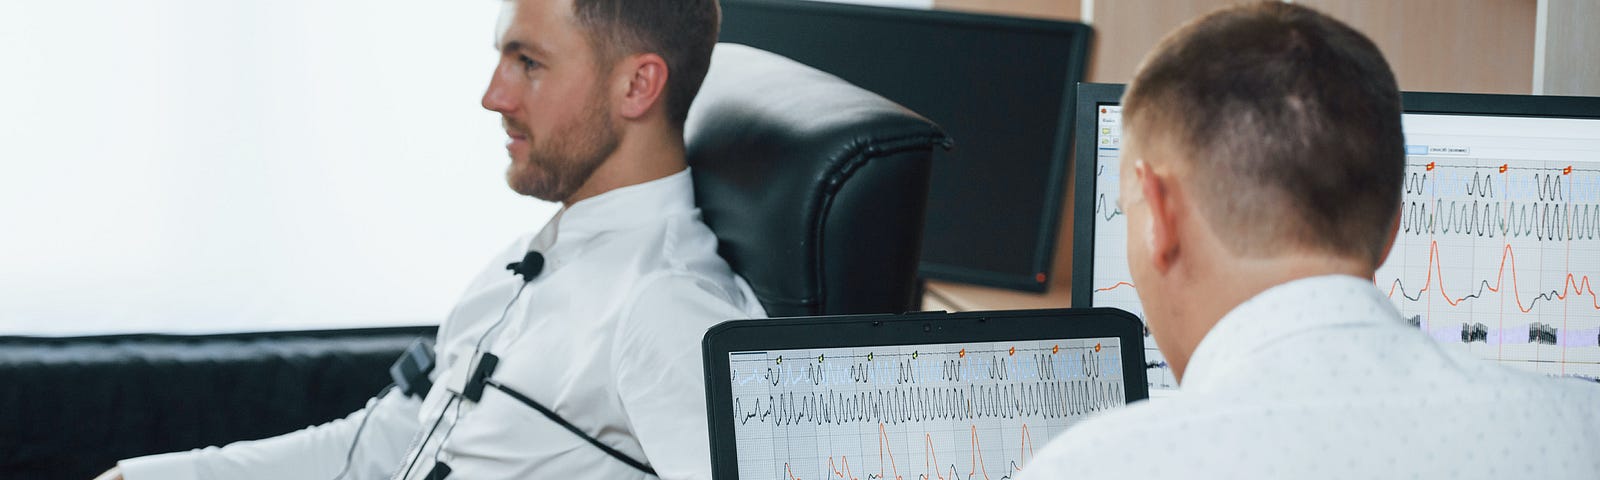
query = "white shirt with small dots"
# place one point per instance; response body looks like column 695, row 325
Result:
column 1323, row 378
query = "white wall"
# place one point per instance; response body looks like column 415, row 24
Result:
column 203, row 165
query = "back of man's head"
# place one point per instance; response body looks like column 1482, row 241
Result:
column 683, row 32
column 1290, row 123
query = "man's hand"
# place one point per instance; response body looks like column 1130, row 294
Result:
column 115, row 473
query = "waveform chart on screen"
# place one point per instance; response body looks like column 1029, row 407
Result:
column 1498, row 250
column 971, row 410
column 1500, row 257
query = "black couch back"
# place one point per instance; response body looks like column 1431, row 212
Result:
column 72, row 407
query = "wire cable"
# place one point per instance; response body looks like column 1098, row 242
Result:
column 350, row 454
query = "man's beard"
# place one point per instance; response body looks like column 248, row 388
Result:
column 557, row 166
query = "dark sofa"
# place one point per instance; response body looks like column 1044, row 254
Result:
column 74, row 406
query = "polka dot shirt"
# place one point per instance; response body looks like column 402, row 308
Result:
column 1322, row 378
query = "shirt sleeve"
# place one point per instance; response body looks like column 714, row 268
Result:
column 316, row 452
column 659, row 371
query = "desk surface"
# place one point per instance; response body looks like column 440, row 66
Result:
column 958, row 297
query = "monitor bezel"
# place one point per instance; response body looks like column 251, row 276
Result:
column 1090, row 96
column 901, row 329
column 1079, row 36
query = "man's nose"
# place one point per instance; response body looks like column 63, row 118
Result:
column 498, row 97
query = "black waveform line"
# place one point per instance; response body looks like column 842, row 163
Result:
column 999, row 368
column 897, row 405
column 1476, row 332
column 1483, row 286
column 1100, row 206
column 1415, row 183
column 1538, row 220
column 1548, row 187
column 1542, row 184
column 1037, row 366
column 900, row 372
column 1481, row 185
column 1541, row 333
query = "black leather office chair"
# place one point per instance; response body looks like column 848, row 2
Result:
column 816, row 188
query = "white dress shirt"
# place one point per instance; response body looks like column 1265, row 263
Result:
column 1322, row 378
column 607, row 335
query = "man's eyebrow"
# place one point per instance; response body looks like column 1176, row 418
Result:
column 518, row 45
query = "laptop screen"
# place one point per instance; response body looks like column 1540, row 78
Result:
column 936, row 410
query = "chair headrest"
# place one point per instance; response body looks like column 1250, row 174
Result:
column 807, row 181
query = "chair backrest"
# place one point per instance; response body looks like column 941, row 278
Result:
column 816, row 188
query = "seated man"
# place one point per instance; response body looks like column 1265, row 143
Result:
column 1261, row 178
column 603, row 327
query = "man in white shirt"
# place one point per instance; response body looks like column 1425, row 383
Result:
column 1261, row 179
column 606, row 335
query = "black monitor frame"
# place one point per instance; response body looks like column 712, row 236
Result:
column 1048, row 224
column 901, row 329
column 1091, row 96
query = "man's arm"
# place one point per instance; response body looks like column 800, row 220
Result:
column 659, row 373
column 316, row 452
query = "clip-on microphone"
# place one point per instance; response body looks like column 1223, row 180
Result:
column 529, row 267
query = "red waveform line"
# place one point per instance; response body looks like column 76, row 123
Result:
column 1026, row 440
column 1507, row 256
column 883, row 446
column 977, row 453
column 930, row 461
column 1116, row 286
column 846, row 472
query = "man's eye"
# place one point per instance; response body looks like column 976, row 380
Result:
column 528, row 63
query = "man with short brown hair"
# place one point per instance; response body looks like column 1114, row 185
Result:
column 586, row 362
column 1261, row 177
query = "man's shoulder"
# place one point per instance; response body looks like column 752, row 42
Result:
column 1109, row 443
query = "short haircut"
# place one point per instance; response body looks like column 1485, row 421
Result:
column 683, row 32
column 1290, row 124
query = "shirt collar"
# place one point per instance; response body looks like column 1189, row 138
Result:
column 618, row 209
column 1287, row 309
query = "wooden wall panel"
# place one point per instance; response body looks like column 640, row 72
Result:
column 1572, row 48
column 1125, row 30
column 1479, row 46
column 1050, row 9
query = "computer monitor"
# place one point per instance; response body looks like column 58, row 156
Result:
column 999, row 86
column 1499, row 243
column 921, row 395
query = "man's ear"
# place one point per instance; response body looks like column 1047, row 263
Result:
column 1394, row 233
column 644, row 82
column 1161, row 223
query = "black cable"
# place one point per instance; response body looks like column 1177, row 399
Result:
column 478, row 347
column 424, row 445
column 453, row 399
column 624, row 458
column 350, row 455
